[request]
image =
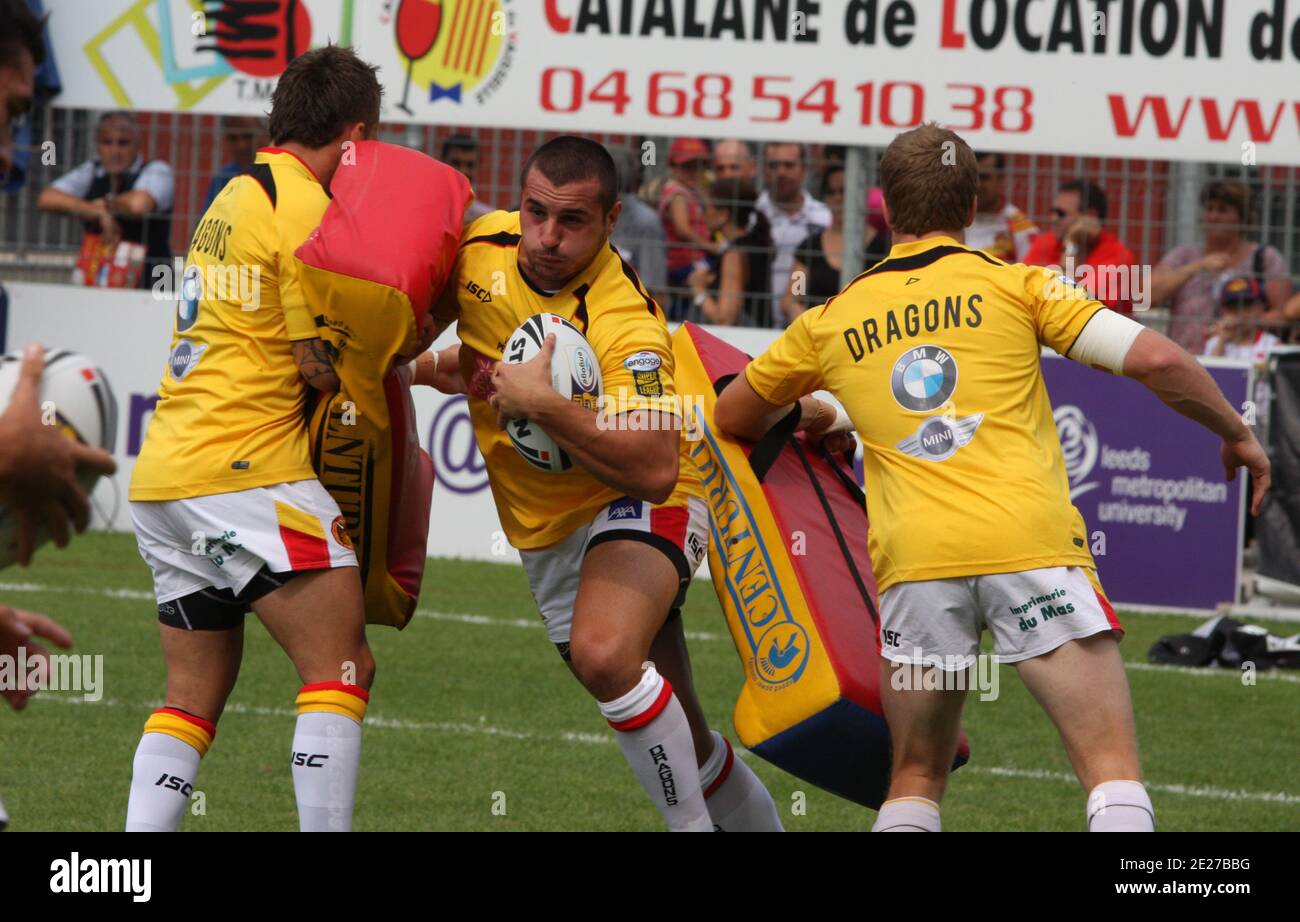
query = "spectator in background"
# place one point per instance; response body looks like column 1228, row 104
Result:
column 1077, row 243
column 1188, row 274
column 1239, row 332
column 793, row 213
column 460, row 152
column 734, row 159
column 681, row 210
column 243, row 135
column 119, row 196
column 1000, row 229
column 742, row 269
column 815, row 275
column 639, row 234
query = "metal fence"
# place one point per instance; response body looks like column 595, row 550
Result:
column 1154, row 205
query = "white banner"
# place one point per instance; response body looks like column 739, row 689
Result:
column 1164, row 79
column 128, row 334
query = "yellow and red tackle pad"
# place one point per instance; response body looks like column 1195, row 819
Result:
column 788, row 557
column 370, row 273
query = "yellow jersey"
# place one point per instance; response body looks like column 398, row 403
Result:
column 231, row 402
column 935, row 354
column 607, row 302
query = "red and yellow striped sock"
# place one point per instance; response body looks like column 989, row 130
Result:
column 184, row 726
column 165, row 768
column 333, row 698
column 327, row 754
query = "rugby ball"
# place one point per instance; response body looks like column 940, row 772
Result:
column 575, row 375
column 81, row 403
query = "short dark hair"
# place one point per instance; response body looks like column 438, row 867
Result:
column 320, row 94
column 1091, row 196
column 458, row 142
column 827, row 174
column 1001, row 158
column 1233, row 193
column 930, row 180
column 20, row 29
column 569, row 159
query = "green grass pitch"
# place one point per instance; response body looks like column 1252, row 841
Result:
column 475, row 724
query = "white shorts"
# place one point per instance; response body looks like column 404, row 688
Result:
column 939, row 621
column 221, row 542
column 681, row 532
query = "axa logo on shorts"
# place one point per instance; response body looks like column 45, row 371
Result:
column 1080, row 445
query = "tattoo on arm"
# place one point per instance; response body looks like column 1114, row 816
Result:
column 315, row 359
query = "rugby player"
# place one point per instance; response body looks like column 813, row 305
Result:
column 227, row 509
column 935, row 355
column 38, row 463
column 609, row 546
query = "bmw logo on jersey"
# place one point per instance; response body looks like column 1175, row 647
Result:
column 923, row 379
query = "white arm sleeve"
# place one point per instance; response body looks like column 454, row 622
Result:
column 1105, row 341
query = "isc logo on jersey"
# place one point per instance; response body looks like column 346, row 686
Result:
column 575, row 374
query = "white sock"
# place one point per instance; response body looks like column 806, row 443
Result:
column 736, row 799
column 326, row 757
column 656, row 741
column 162, row 779
column 908, row 814
column 1120, row 806
column 4, row 817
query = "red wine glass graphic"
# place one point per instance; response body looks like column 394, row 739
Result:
column 418, row 25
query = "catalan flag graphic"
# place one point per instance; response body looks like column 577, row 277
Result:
column 303, row 537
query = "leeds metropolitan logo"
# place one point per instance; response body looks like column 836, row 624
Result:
column 923, row 379
column 1079, row 445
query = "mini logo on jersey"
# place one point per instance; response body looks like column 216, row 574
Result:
column 624, row 509
column 643, row 361
column 923, row 378
column 187, row 308
column 1079, row 446
column 939, row 437
column 185, row 355
column 781, row 654
column 339, row 529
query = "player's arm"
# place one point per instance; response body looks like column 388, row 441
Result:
column 620, row 451
column 776, row 383
column 1090, row 334
column 315, row 360
column 39, row 464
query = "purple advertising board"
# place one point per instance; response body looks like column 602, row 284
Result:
column 1164, row 524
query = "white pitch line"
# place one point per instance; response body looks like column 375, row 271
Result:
column 483, row 728
column 1183, row 790
column 703, row 636
column 527, row 623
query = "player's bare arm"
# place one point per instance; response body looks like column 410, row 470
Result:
column 741, row 412
column 315, row 359
column 38, row 465
column 639, row 463
column 440, row 370
column 1184, row 385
